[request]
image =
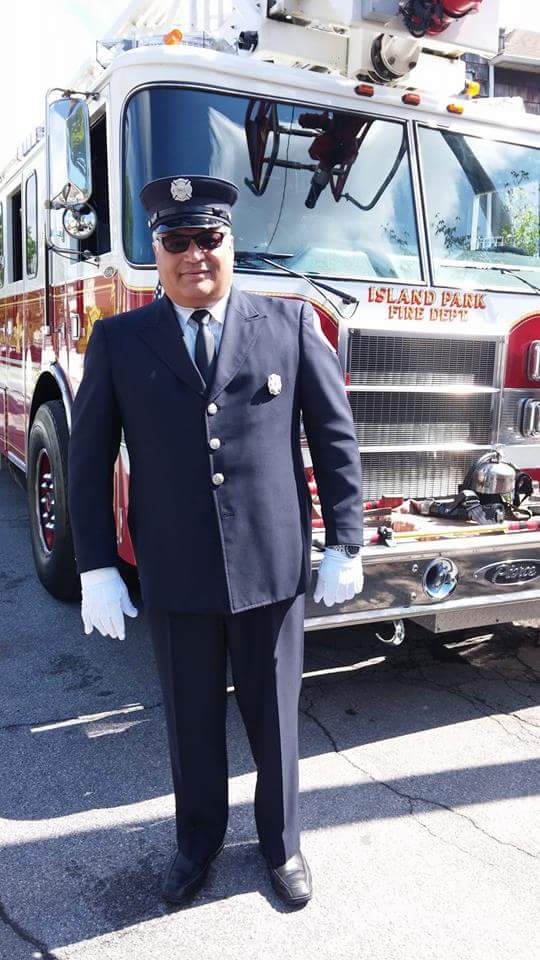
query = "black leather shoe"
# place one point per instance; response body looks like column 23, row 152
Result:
column 292, row 880
column 185, row 876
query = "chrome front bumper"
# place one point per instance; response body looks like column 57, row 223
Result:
column 393, row 587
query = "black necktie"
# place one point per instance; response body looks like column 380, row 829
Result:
column 205, row 347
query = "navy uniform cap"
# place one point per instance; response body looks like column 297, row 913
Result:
column 188, row 201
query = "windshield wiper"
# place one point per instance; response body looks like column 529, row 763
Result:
column 511, row 271
column 243, row 255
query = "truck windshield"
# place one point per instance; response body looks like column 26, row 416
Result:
column 483, row 200
column 329, row 191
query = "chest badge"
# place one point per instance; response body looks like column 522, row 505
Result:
column 274, row 384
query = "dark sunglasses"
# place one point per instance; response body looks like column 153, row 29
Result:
column 179, row 242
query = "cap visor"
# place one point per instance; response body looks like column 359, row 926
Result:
column 195, row 220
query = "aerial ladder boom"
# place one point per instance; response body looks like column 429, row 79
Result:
column 414, row 43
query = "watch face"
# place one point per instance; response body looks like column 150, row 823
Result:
column 352, row 551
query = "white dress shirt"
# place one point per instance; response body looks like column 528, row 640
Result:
column 189, row 327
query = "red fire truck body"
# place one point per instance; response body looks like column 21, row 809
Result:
column 408, row 217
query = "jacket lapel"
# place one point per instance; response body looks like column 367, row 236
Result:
column 161, row 331
column 243, row 322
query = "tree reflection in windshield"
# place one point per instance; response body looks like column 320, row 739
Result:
column 483, row 206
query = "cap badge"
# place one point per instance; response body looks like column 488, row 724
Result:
column 274, row 384
column 181, row 189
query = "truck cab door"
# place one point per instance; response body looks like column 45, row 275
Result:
column 34, row 294
column 14, row 329
column 3, row 348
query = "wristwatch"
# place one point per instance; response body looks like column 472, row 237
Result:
column 349, row 549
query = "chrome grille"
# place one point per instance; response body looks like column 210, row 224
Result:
column 415, row 474
column 406, row 399
column 512, row 416
column 397, row 419
column 429, row 361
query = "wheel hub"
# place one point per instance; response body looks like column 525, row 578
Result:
column 45, row 500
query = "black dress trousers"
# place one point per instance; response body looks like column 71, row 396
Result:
column 266, row 647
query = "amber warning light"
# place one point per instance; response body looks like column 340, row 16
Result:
column 412, row 99
column 173, row 37
column 364, row 90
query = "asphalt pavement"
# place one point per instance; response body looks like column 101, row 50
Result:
column 419, row 781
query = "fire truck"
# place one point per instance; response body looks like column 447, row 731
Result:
column 375, row 184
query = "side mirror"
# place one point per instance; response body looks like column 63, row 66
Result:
column 80, row 221
column 69, row 159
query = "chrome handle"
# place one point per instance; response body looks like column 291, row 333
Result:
column 530, row 418
column 75, row 326
column 533, row 360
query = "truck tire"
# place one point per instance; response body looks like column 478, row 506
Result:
column 46, row 484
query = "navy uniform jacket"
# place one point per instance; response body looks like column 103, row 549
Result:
column 202, row 547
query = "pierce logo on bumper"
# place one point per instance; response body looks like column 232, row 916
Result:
column 511, row 572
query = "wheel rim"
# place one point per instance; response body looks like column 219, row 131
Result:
column 45, row 503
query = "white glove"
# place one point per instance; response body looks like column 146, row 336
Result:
column 340, row 577
column 105, row 599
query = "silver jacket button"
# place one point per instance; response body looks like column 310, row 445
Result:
column 215, row 443
column 217, row 478
column 212, row 408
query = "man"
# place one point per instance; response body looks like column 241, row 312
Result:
column 209, row 384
